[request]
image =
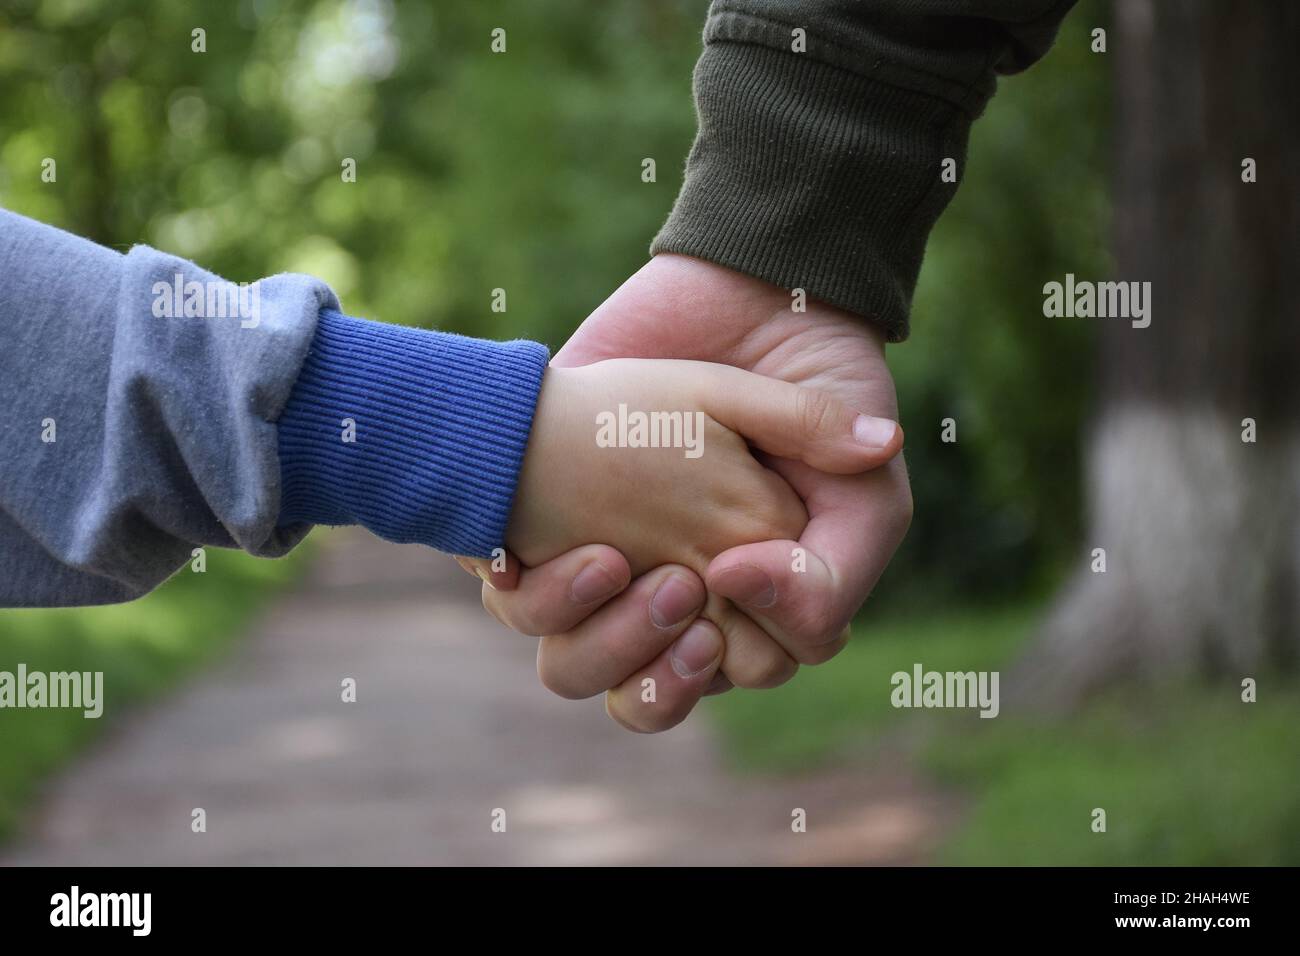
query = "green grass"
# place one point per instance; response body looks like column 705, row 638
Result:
column 1187, row 775
column 844, row 704
column 142, row 648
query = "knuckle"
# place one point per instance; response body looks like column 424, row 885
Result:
column 641, row 718
column 696, row 555
column 790, row 520
column 526, row 619
column 905, row 510
column 771, row 670
column 555, row 677
column 765, row 520
column 817, row 626
column 512, row 613
column 821, row 653
column 773, row 512
column 899, row 506
column 814, row 409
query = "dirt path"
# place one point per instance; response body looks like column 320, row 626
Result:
column 450, row 723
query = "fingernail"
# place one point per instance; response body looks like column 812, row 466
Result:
column 674, row 602
column 747, row 584
column 873, row 432
column 695, row 650
column 484, row 578
column 592, row 583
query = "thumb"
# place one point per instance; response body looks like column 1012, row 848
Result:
column 807, row 424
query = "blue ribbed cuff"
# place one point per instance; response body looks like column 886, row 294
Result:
column 440, row 424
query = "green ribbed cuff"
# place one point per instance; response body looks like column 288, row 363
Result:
column 812, row 176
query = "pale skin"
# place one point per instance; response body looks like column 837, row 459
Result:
column 684, row 308
column 660, row 506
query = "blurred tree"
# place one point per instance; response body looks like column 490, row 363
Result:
column 998, row 508
column 1197, row 509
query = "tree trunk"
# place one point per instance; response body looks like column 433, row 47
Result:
column 1201, row 529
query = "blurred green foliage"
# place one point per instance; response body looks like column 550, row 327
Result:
column 522, row 171
column 475, row 170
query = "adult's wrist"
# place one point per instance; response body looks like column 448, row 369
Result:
column 814, row 177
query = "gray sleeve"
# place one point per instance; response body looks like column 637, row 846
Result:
column 129, row 434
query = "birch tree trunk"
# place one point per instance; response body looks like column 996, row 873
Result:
column 1201, row 529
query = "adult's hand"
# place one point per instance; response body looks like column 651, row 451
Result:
column 601, row 633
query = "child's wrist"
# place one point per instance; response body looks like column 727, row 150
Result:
column 418, row 436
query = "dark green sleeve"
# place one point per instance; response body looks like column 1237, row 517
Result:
column 821, row 169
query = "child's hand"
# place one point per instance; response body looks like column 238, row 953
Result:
column 585, row 480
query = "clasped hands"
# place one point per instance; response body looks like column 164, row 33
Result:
column 726, row 566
